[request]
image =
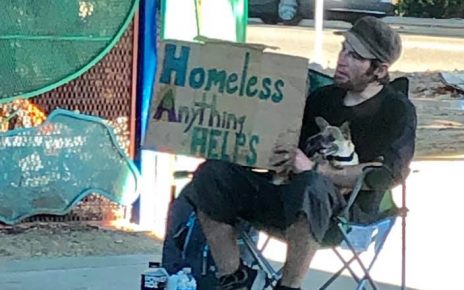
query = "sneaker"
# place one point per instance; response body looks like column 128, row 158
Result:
column 244, row 278
column 280, row 287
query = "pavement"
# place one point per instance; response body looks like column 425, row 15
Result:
column 104, row 273
column 434, row 248
column 74, row 273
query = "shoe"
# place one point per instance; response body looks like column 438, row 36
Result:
column 244, row 278
column 280, row 287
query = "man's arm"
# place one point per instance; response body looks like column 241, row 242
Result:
column 347, row 176
column 399, row 154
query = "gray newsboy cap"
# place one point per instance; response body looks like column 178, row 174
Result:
column 372, row 38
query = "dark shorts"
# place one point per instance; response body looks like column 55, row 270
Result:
column 228, row 192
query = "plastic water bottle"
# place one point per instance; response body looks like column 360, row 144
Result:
column 173, row 281
column 192, row 283
column 155, row 278
column 185, row 280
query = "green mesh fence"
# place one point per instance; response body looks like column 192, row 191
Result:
column 46, row 43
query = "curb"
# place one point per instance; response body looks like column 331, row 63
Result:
column 454, row 23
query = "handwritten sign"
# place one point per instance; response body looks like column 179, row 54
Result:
column 225, row 101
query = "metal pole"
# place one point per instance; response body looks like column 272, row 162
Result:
column 143, row 210
column 319, row 29
column 404, row 210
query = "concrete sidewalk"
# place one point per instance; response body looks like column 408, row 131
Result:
column 434, row 248
column 106, row 273
column 74, row 273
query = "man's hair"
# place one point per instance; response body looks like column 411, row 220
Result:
column 375, row 64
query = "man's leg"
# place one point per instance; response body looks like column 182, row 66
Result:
column 223, row 193
column 310, row 201
column 222, row 241
column 301, row 247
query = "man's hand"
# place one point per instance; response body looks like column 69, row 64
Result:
column 283, row 152
column 301, row 162
column 290, row 158
column 326, row 168
column 282, row 158
column 345, row 177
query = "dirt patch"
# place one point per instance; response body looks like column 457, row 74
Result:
column 440, row 114
column 72, row 239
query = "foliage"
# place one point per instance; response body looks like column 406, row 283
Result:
column 431, row 8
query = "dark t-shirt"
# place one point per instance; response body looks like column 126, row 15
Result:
column 384, row 125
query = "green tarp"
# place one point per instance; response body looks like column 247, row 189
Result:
column 48, row 169
column 46, row 43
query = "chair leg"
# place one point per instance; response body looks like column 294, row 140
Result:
column 346, row 265
column 266, row 242
column 260, row 259
column 377, row 251
column 367, row 276
column 404, row 212
column 337, row 274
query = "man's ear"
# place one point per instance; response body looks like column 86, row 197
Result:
column 382, row 70
column 321, row 123
column 345, row 128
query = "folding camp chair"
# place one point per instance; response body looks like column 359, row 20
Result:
column 358, row 238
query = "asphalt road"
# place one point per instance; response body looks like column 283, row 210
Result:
column 408, row 25
column 420, row 52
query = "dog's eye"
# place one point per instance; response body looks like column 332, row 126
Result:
column 331, row 138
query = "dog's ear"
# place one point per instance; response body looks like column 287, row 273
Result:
column 321, row 123
column 345, row 128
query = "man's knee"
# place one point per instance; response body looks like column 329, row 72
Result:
column 212, row 169
column 211, row 191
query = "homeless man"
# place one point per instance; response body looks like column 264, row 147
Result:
column 382, row 122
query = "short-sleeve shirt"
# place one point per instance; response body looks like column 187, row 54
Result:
column 382, row 126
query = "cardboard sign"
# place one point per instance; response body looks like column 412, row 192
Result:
column 228, row 101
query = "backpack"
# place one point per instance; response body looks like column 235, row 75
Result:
column 185, row 244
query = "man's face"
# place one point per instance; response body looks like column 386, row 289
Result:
column 353, row 71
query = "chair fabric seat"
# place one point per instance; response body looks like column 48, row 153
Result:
column 361, row 236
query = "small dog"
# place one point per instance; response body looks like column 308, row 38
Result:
column 332, row 144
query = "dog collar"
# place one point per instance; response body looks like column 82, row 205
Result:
column 341, row 158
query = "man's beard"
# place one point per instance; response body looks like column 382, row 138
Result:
column 358, row 84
